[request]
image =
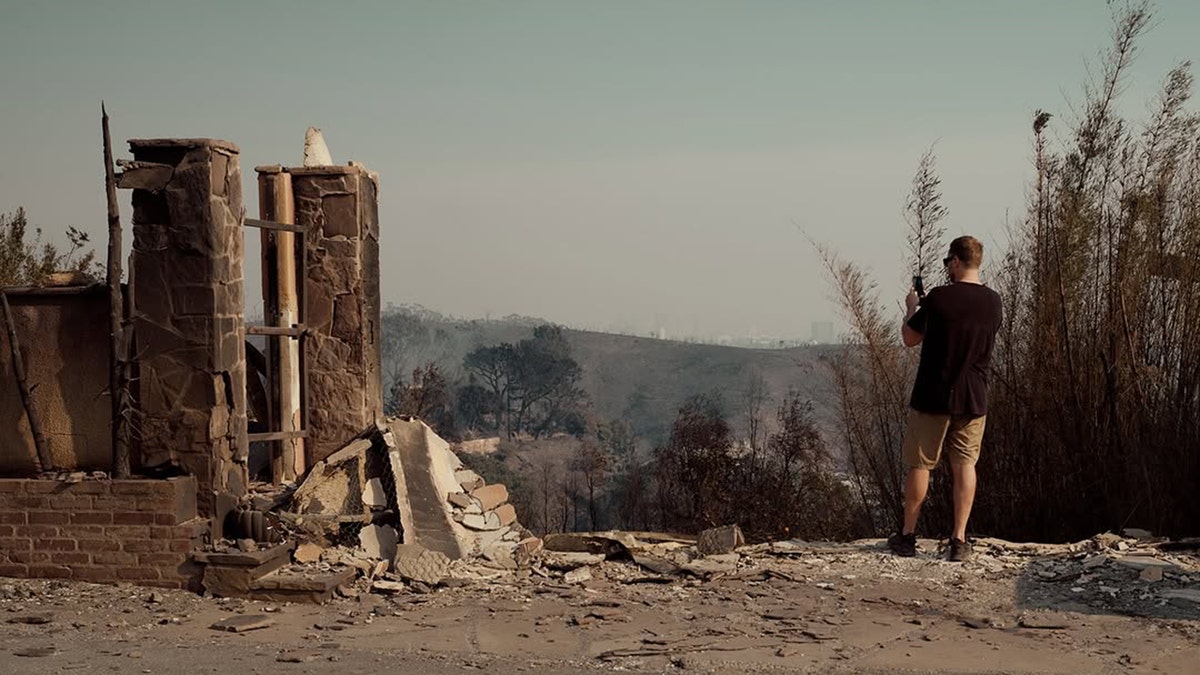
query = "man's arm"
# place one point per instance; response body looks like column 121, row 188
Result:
column 911, row 336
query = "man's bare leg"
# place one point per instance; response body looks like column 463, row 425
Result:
column 964, row 497
column 916, row 484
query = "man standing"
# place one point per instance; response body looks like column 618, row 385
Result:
column 956, row 326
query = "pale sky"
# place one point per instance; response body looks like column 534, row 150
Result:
column 612, row 164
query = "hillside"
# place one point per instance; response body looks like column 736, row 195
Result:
column 643, row 380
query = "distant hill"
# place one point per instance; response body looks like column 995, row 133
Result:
column 643, row 380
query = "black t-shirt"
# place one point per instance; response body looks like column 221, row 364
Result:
column 959, row 323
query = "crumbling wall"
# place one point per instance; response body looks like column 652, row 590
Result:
column 339, row 207
column 63, row 334
column 188, row 311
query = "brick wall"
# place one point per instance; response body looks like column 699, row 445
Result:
column 141, row 531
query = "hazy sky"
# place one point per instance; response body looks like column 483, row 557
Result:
column 618, row 164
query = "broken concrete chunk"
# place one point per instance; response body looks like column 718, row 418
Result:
column 578, row 576
column 482, row 521
column 468, row 479
column 426, row 567
column 507, row 514
column 501, row 557
column 459, row 499
column 490, row 496
column 1151, row 574
column 720, row 540
column 307, row 553
column 378, row 541
column 570, row 560
column 527, row 547
column 373, row 495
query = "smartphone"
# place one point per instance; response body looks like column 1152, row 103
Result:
column 919, row 285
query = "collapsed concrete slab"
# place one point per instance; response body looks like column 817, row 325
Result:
column 425, row 470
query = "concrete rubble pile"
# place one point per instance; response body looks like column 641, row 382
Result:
column 396, row 506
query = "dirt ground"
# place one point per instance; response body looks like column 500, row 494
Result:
column 821, row 609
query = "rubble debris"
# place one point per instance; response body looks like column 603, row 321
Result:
column 307, row 552
column 378, row 541
column 374, row 495
column 243, row 622
column 415, row 563
column 720, row 540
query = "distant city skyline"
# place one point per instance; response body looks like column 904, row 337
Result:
column 630, row 164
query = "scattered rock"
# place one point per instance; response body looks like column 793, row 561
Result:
column 1151, row 574
column 468, row 479
column 720, row 540
column 481, row 521
column 373, row 494
column 33, row 619
column 578, row 576
column 307, row 553
column 378, row 541
column 490, row 496
column 34, row 652
column 461, row 500
column 243, row 622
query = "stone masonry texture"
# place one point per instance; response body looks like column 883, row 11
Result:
column 338, row 205
column 188, row 315
column 140, row 531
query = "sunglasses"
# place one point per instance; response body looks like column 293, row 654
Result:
column 946, row 260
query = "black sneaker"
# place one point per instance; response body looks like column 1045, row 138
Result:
column 903, row 544
column 960, row 550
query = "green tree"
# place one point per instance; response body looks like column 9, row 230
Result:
column 29, row 263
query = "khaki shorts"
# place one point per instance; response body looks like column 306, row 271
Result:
column 927, row 434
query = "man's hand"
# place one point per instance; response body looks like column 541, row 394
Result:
column 912, row 301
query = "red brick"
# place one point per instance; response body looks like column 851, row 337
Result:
column 30, row 502
column 13, row 517
column 137, row 573
column 39, row 557
column 94, row 573
column 132, row 518
column 14, row 571
column 97, row 545
column 91, row 518
column 162, row 532
column 90, row 487
column 161, row 559
column 85, row 531
column 126, row 532
column 114, row 558
column 71, row 502
column 20, row 557
column 37, row 531
column 35, row 487
column 6, row 531
column 12, row 485
column 16, row 544
column 71, row 558
column 165, row 518
column 181, row 545
column 47, row 518
column 142, row 488
column 109, row 503
column 55, row 545
column 49, row 572
column 144, row 546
